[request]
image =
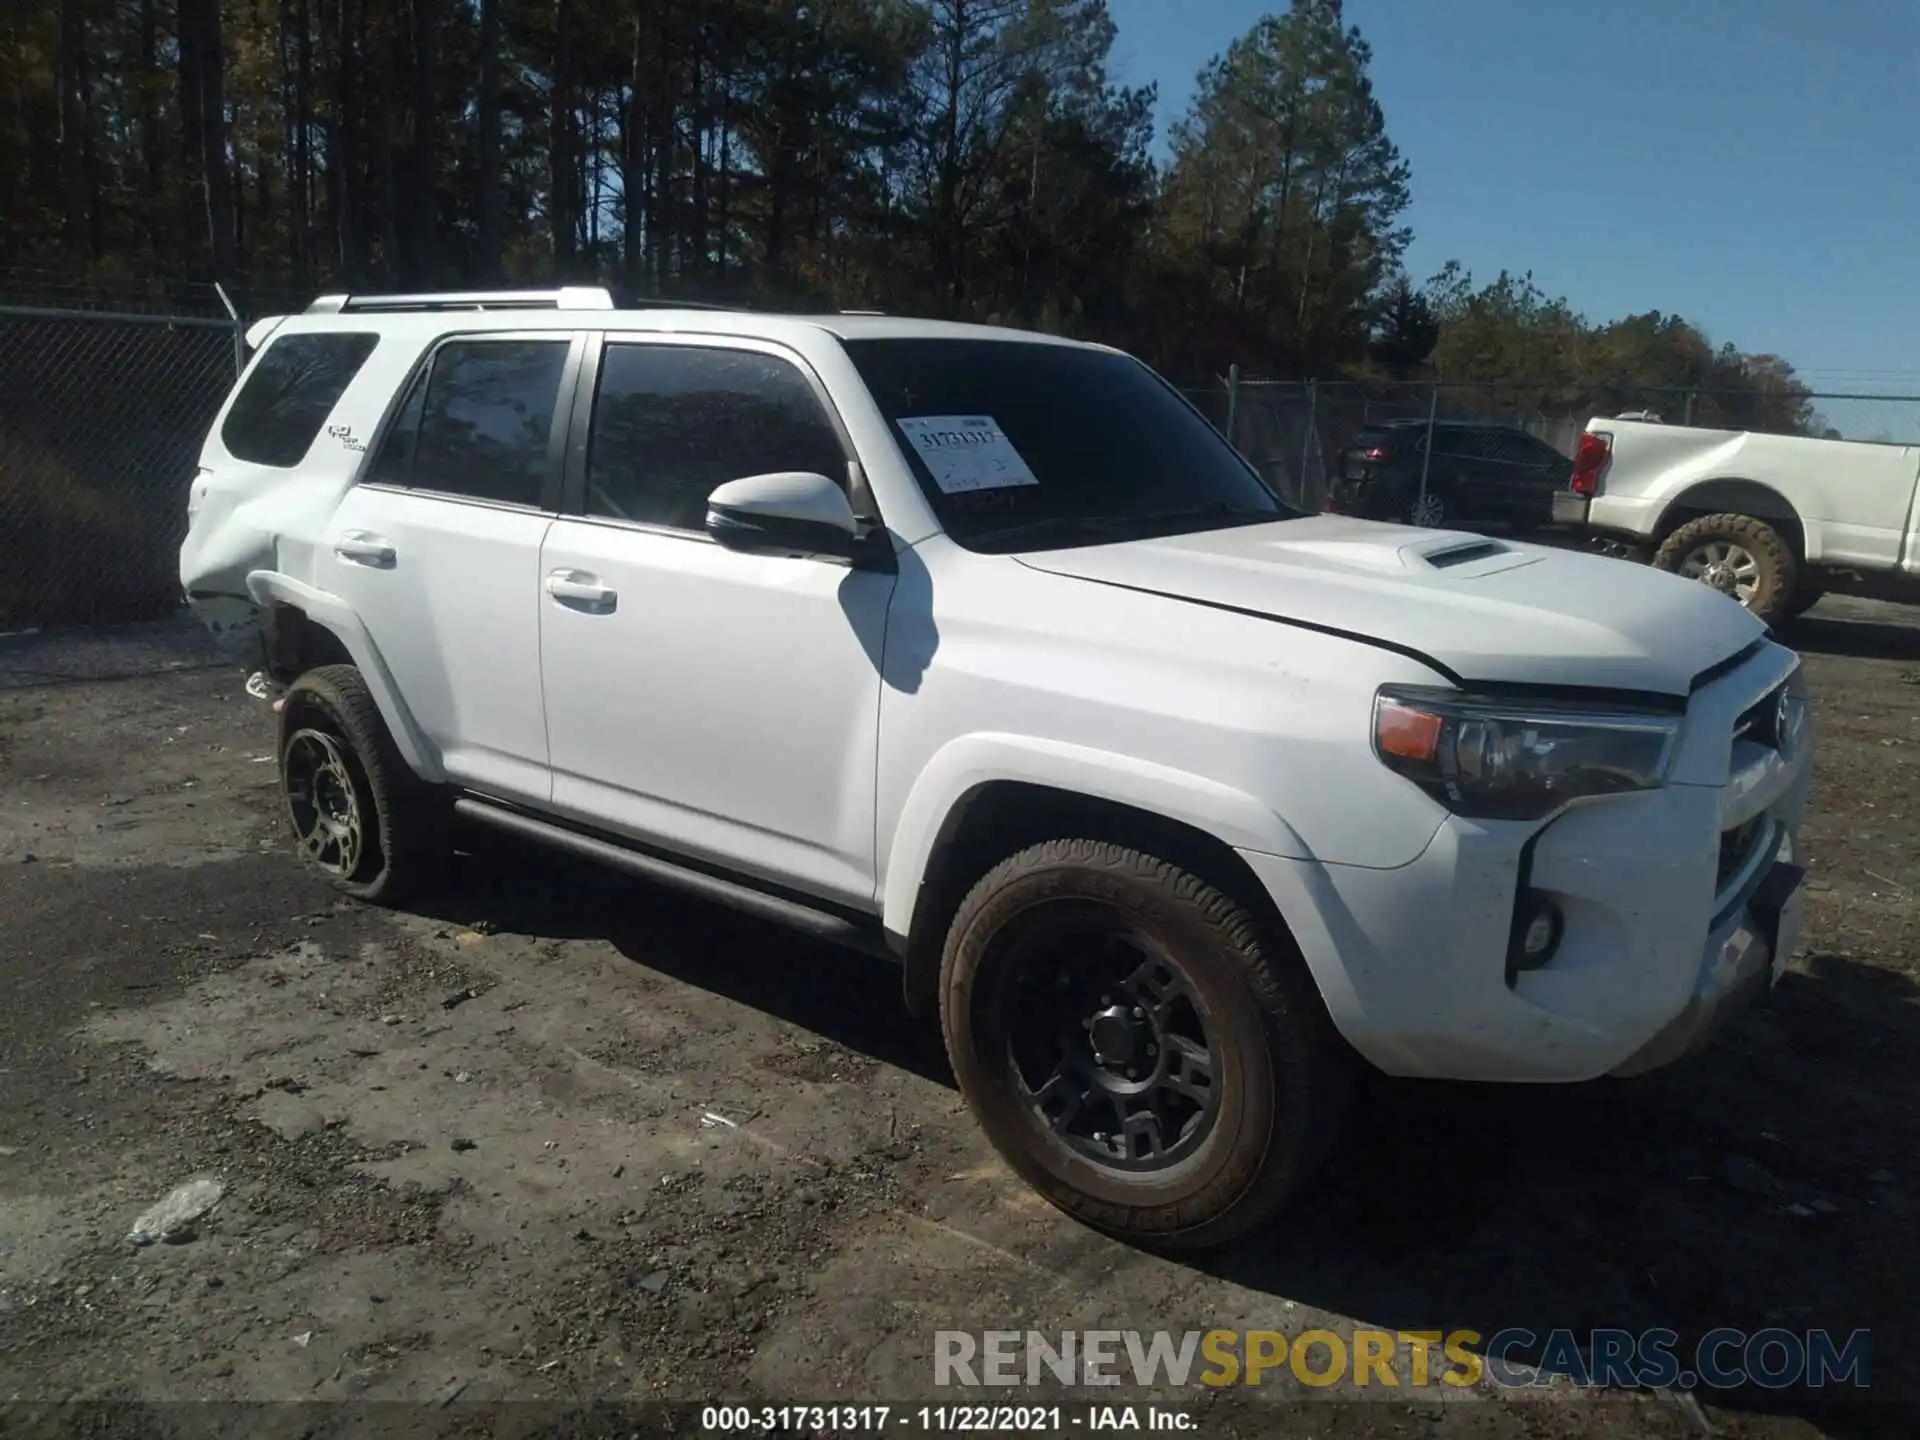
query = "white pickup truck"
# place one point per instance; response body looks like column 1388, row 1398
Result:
column 1776, row 521
column 984, row 651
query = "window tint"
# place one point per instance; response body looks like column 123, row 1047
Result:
column 392, row 463
column 289, row 395
column 482, row 423
column 1113, row 453
column 673, row 423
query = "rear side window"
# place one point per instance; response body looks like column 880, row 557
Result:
column 476, row 424
column 672, row 423
column 290, row 394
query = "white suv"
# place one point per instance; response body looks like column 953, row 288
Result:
column 983, row 650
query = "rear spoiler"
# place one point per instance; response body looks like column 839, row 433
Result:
column 262, row 330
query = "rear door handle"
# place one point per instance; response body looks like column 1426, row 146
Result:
column 362, row 547
column 581, row 589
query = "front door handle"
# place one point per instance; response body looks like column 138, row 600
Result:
column 581, row 588
column 362, row 547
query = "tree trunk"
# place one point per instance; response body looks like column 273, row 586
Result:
column 152, row 142
column 70, row 76
column 633, row 174
column 193, row 138
column 946, row 216
column 490, row 208
column 697, row 122
column 303, row 141
column 342, row 135
column 214, row 122
column 426, row 209
column 382, row 132
column 560, row 219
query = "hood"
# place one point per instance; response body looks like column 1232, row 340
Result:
column 1484, row 609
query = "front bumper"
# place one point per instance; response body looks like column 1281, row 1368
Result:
column 1744, row 956
column 1568, row 508
column 1664, row 938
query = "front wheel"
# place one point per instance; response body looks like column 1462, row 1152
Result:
column 1136, row 1045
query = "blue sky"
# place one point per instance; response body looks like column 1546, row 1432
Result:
column 1753, row 165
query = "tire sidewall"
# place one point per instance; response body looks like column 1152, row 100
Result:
column 305, row 705
column 1778, row 569
column 1246, row 1079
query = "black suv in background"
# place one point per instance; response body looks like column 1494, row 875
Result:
column 1478, row 474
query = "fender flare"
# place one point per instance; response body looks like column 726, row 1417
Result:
column 270, row 587
column 968, row 762
column 1736, row 495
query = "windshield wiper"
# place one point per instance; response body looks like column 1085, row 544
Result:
column 1054, row 525
column 1217, row 510
column 1103, row 525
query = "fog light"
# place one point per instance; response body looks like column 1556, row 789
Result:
column 1536, row 934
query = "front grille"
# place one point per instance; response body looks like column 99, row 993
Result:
column 1736, row 848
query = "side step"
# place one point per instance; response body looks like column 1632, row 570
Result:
column 820, row 923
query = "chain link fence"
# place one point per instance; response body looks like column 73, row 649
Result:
column 1466, row 453
column 106, row 392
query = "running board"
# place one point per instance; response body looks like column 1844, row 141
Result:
column 820, row 923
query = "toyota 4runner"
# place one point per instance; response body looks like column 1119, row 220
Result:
column 984, row 651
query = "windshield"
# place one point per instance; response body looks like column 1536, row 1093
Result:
column 1023, row 445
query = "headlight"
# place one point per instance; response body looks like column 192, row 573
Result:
column 1505, row 760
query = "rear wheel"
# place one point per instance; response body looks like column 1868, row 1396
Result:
column 1429, row 511
column 1136, row 1045
column 1742, row 557
column 361, row 818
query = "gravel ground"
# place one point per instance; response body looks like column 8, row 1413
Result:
column 560, row 1139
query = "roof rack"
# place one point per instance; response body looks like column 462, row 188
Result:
column 567, row 297
column 661, row 302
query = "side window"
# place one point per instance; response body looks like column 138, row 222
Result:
column 290, row 393
column 477, row 423
column 671, row 423
column 392, row 463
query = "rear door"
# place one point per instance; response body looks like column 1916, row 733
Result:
column 437, row 549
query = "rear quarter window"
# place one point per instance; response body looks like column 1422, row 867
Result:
column 289, row 394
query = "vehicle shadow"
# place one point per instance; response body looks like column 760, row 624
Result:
column 851, row 999
column 1859, row 638
column 1769, row 1184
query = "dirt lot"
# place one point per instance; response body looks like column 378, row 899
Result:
column 559, row 1137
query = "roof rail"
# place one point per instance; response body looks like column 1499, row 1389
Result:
column 567, row 297
column 661, row 302
column 880, row 313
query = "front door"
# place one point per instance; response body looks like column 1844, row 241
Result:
column 721, row 705
column 437, row 549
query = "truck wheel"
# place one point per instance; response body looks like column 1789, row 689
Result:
column 1136, row 1046
column 362, row 819
column 1739, row 556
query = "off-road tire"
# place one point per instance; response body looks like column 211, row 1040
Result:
column 1779, row 570
column 1804, row 599
column 1284, row 1074
column 408, row 827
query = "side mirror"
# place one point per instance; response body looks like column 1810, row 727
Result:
column 788, row 513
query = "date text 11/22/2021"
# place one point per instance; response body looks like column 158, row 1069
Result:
column 942, row 1419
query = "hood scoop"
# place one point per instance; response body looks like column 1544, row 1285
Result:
column 1446, row 557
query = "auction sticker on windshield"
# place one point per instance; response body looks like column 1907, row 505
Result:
column 966, row 452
